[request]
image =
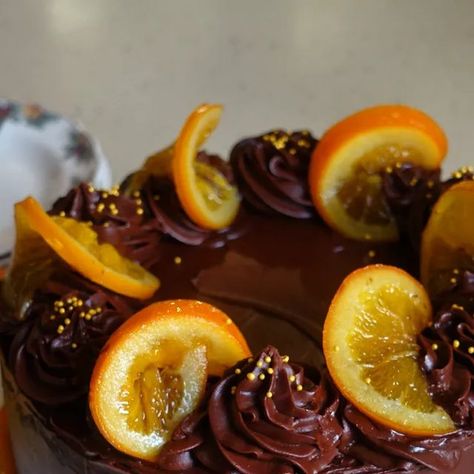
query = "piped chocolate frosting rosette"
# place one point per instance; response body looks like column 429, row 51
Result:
column 265, row 415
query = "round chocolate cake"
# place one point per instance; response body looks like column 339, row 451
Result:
column 274, row 271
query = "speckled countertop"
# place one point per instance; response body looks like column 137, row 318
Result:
column 131, row 71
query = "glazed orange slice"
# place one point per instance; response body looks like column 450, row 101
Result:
column 447, row 245
column 370, row 346
column 76, row 243
column 153, row 372
column 347, row 166
column 205, row 194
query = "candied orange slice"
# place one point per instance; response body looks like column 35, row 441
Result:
column 153, row 372
column 76, row 243
column 205, row 194
column 348, row 163
column 447, row 245
column 370, row 346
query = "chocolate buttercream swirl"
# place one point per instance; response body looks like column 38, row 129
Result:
column 272, row 172
column 118, row 219
column 263, row 416
column 448, row 360
column 70, row 319
column 160, row 195
column 410, row 192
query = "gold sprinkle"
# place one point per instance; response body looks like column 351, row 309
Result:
column 52, row 317
column 251, row 376
column 269, row 394
column 112, row 206
column 389, row 169
column 60, row 329
column 82, row 314
column 237, row 371
column 259, row 364
column 292, row 378
column 136, row 194
column 67, row 321
column 268, row 359
column 105, row 195
column 62, row 214
column 138, row 202
column 456, row 271
column 371, row 253
column 285, row 359
column 62, row 310
column 299, row 387
column 398, row 165
column 100, row 207
column 178, row 260
column 292, row 151
column 140, row 211
column 98, row 309
column 261, row 376
column 453, row 281
column 367, row 237
column 434, row 346
column 92, row 311
column 232, row 390
column 228, row 321
column 456, row 306
column 368, row 380
column 59, row 303
column 270, row 370
column 74, row 345
column 70, row 308
column 80, row 303
column 90, row 188
column 456, row 343
column 470, row 349
column 88, row 316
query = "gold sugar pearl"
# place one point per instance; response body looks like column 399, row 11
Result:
column 100, row 207
column 251, row 376
column 453, row 281
column 268, row 359
column 88, row 316
column 105, row 195
column 61, row 310
column 434, row 346
column 67, row 321
column 456, row 343
column 62, row 214
column 114, row 211
column 237, row 371
column 269, row 394
column 136, row 194
column 140, row 211
column 178, row 260
column 52, row 317
column 138, row 202
column 270, row 370
column 371, row 253
column 368, row 380
column 74, row 345
column 259, row 364
column 285, row 359
column 82, row 314
column 292, row 378
column 470, row 349
column 261, row 376
column 228, row 321
column 299, row 387
column 60, row 329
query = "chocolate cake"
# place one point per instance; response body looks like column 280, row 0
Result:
column 274, row 271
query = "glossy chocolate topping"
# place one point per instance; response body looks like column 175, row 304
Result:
column 272, row 172
column 54, row 352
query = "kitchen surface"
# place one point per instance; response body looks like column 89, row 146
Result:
column 132, row 71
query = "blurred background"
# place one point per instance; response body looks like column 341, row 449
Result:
column 132, row 70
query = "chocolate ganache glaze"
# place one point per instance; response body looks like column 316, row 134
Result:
column 276, row 281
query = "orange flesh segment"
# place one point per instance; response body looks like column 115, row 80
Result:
column 153, row 372
column 369, row 342
column 76, row 243
column 347, row 165
column 205, row 194
column 448, row 240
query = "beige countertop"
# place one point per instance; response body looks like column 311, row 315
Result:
column 132, row 70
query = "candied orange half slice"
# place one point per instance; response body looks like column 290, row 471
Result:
column 347, row 166
column 205, row 194
column 370, row 346
column 153, row 372
column 447, row 245
column 76, row 243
